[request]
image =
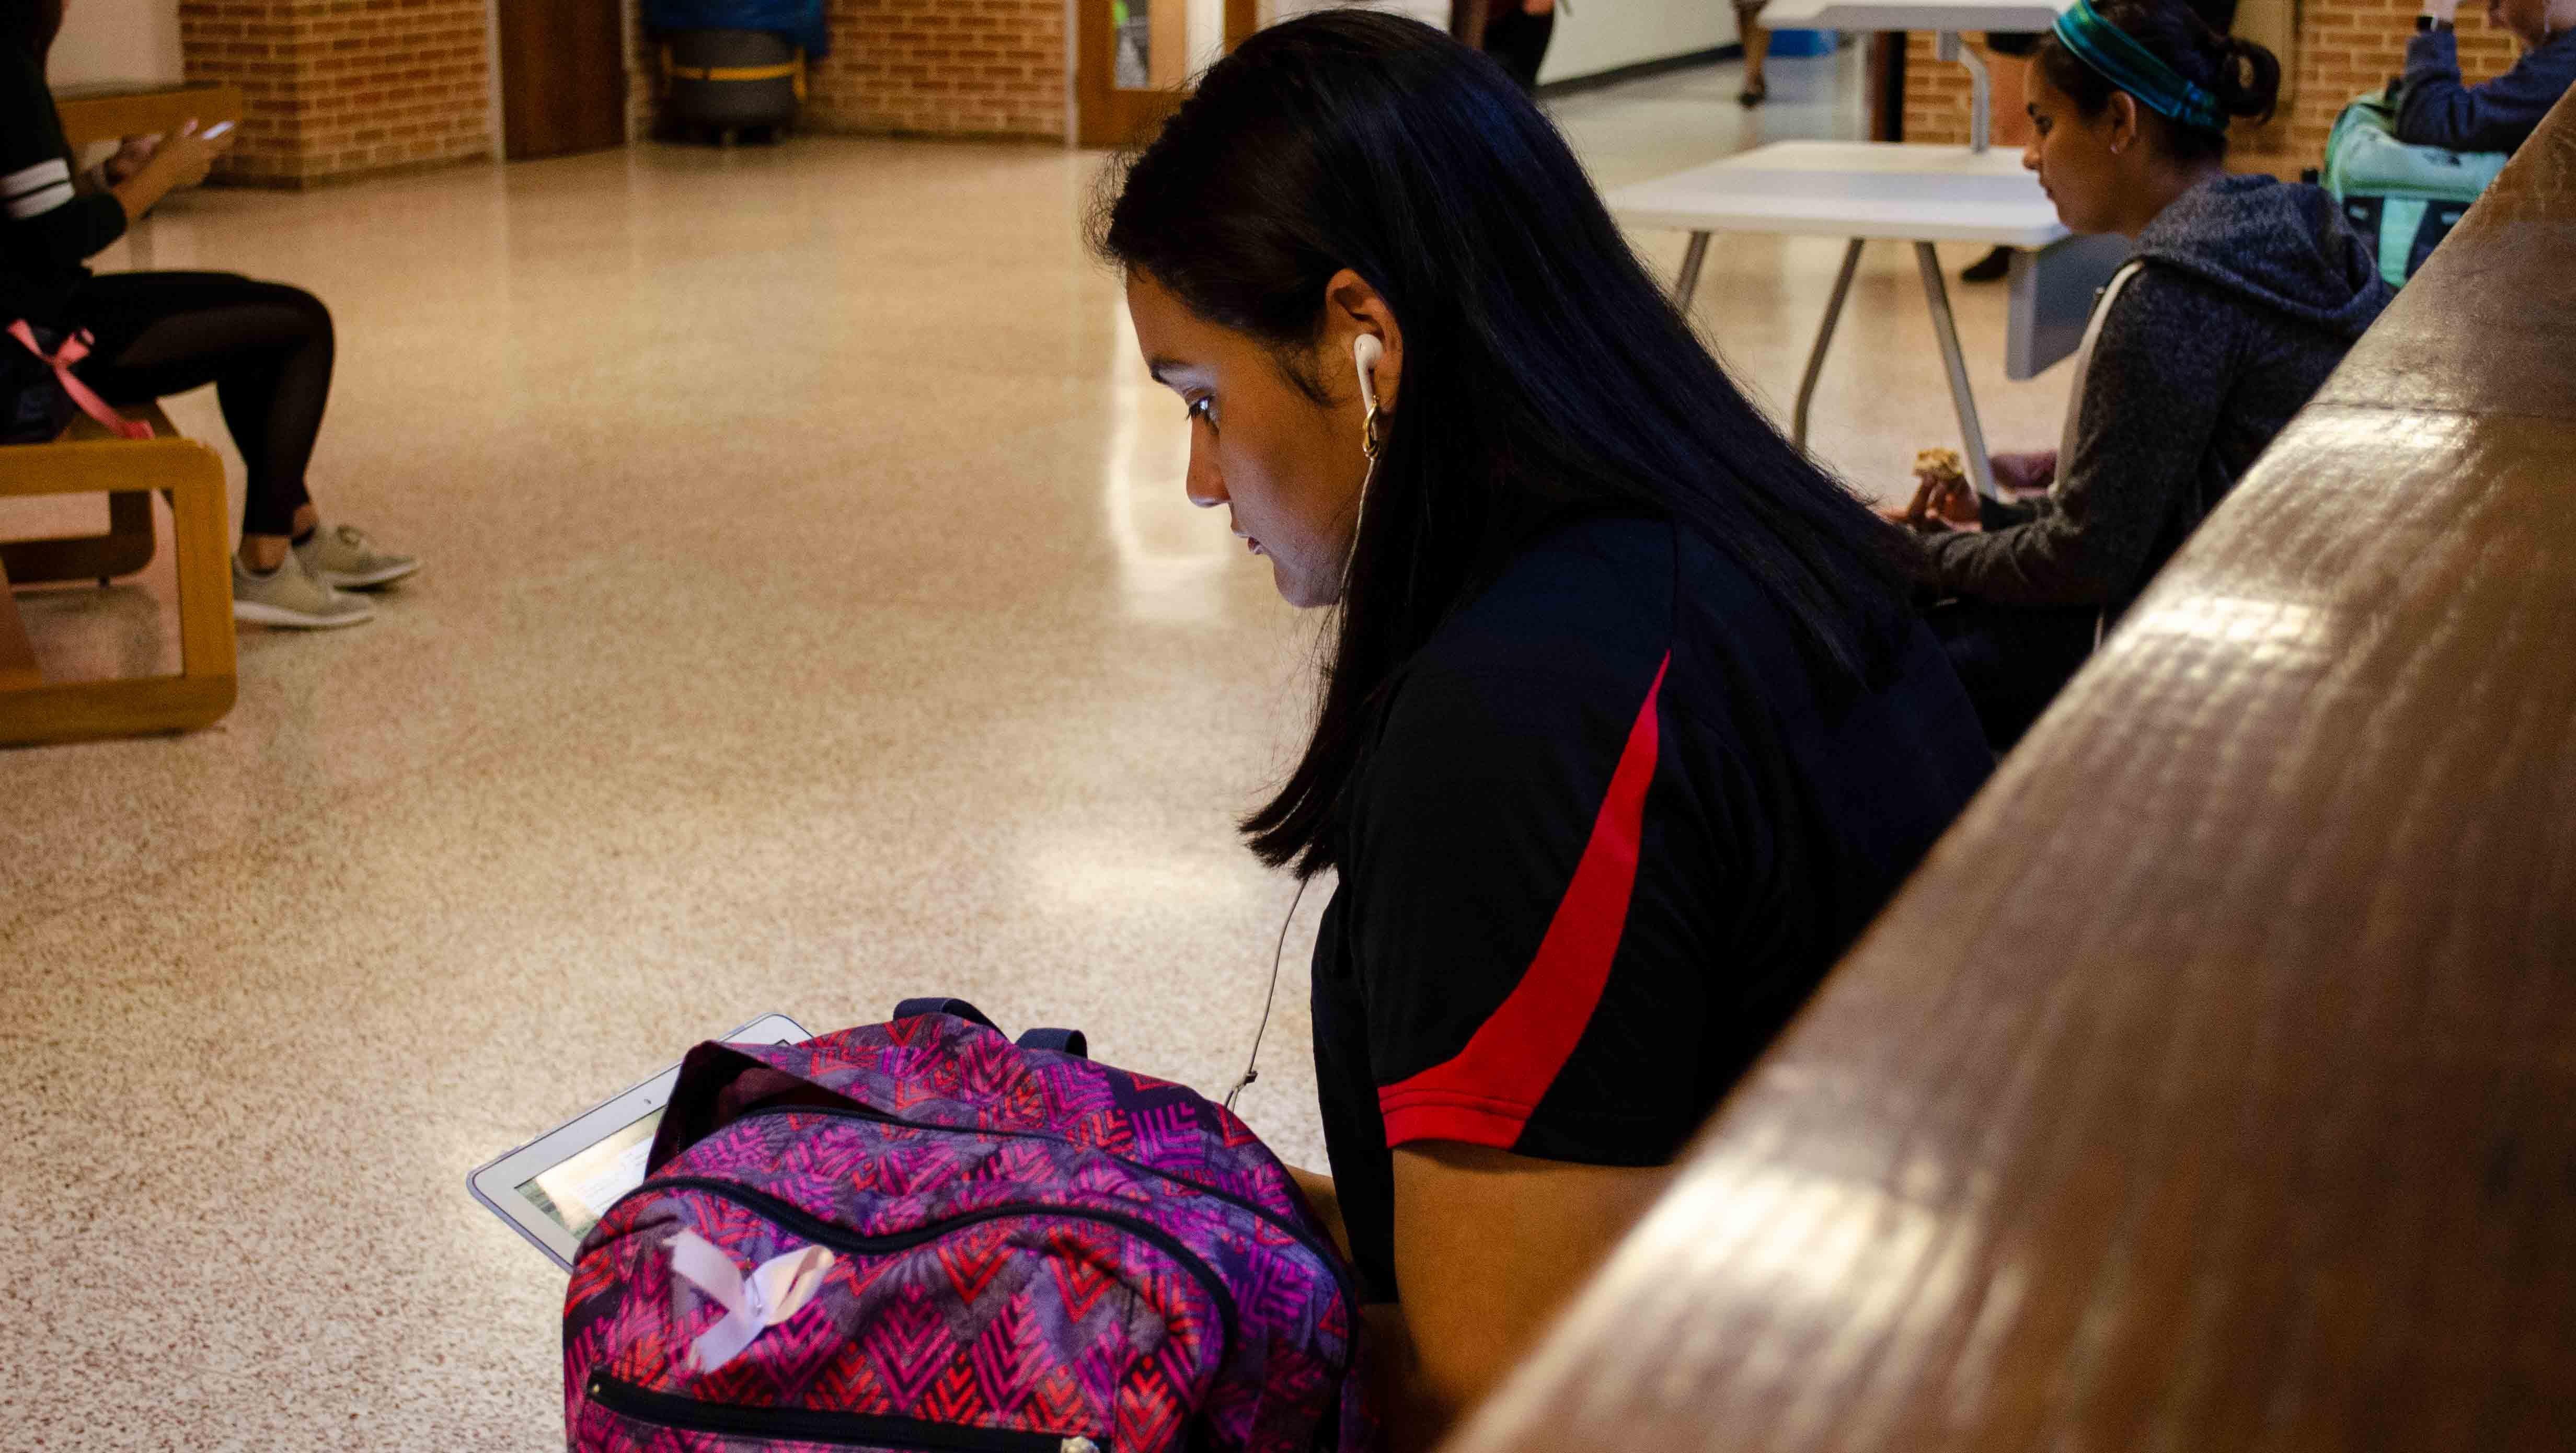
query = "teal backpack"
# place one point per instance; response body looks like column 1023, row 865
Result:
column 2404, row 198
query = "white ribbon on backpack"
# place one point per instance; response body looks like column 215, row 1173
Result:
column 776, row 1290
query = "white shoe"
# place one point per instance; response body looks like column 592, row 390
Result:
column 342, row 555
column 291, row 596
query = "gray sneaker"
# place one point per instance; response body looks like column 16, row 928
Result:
column 291, row 596
column 342, row 555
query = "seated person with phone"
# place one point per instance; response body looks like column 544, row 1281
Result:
column 2435, row 108
column 267, row 348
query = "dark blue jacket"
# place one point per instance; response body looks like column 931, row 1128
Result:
column 2439, row 111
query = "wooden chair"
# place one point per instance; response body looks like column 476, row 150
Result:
column 90, row 461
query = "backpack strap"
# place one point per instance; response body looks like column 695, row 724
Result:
column 70, row 350
column 959, row 1007
column 1062, row 1041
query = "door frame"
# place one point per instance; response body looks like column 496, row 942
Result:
column 1103, row 115
column 630, row 31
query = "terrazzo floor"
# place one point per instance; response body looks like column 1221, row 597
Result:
column 812, row 618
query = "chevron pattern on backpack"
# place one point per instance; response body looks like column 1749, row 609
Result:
column 1031, row 1253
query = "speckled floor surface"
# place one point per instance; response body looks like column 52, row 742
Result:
column 812, row 618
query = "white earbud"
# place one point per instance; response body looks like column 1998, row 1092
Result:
column 1366, row 350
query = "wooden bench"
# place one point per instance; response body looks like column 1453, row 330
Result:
column 2213, row 1086
column 112, row 110
column 30, row 711
column 89, row 460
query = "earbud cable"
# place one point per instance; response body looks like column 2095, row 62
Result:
column 1252, row 1063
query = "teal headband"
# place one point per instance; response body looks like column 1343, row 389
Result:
column 2135, row 69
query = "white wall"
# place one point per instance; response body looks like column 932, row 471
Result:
column 1591, row 35
column 1429, row 12
column 1207, row 33
column 117, row 40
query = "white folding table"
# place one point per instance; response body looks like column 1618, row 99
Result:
column 1945, row 19
column 1920, row 194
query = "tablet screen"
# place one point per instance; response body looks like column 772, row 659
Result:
column 555, row 1188
column 578, row 1192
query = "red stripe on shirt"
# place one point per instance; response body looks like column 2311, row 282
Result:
column 1486, row 1094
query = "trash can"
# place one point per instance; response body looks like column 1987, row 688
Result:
column 733, row 67
column 724, row 83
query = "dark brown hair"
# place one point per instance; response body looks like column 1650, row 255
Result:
column 2244, row 77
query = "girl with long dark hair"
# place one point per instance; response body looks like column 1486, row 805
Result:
column 2243, row 294
column 1626, row 727
column 266, row 348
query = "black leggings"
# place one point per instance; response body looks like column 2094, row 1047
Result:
column 265, row 347
column 1518, row 40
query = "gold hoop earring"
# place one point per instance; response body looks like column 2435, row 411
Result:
column 1368, row 434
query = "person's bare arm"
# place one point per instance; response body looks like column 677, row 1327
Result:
column 1327, row 1201
column 180, row 161
column 1488, row 1247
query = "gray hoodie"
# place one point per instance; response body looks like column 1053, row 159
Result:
column 2252, row 291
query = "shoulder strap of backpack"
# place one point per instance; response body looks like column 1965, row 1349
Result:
column 1062, row 1041
column 959, row 1007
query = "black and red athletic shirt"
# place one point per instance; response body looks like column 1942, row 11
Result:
column 1609, row 837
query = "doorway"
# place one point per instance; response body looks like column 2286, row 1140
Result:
column 563, row 76
column 1133, row 59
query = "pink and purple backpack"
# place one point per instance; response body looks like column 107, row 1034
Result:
column 922, row 1236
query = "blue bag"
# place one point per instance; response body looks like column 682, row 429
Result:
column 799, row 22
column 2405, row 199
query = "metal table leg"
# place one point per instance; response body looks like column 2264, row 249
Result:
column 1688, row 282
column 1972, row 436
column 1824, row 340
column 1981, row 107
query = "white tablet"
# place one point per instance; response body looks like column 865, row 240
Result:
column 556, row 1187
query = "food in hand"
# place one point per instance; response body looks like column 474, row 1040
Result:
column 1937, row 475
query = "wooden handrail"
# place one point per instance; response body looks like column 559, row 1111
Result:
column 2213, row 1086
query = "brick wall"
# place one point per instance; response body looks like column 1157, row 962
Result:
column 341, row 88
column 1936, row 94
column 946, row 67
column 2346, row 47
column 921, row 67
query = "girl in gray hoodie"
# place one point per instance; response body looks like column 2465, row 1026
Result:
column 2243, row 295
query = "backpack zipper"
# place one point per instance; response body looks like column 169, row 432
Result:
column 810, row 1425
column 1326, row 1432
column 1330, row 1259
column 815, row 1229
